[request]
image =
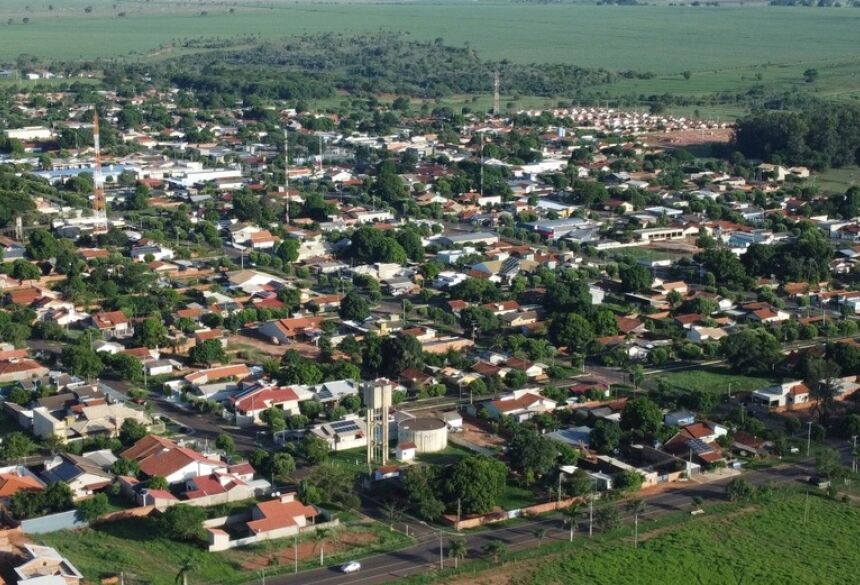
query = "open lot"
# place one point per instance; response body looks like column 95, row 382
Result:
column 719, row 380
column 133, row 547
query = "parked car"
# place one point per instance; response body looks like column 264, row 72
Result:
column 351, row 567
column 819, row 482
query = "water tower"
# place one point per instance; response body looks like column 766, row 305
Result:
column 377, row 399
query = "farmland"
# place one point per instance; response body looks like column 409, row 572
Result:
column 685, row 50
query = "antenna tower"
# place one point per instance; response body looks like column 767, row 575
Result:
column 496, row 93
column 286, row 176
column 98, row 179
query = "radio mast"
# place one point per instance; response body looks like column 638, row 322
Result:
column 286, row 176
column 496, row 93
column 98, row 180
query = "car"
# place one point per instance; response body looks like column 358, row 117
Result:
column 351, row 567
column 819, row 482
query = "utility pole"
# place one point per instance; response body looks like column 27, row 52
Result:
column 441, row 557
column 590, row 516
column 482, row 165
column 296, row 554
column 854, row 455
column 559, row 491
column 808, row 437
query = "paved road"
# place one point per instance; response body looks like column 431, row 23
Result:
column 424, row 555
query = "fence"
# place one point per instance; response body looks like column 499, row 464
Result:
column 502, row 515
column 53, row 523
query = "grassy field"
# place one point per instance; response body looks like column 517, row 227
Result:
column 838, row 180
column 736, row 49
column 133, row 547
column 718, row 380
column 764, row 543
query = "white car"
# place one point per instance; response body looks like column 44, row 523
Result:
column 351, row 567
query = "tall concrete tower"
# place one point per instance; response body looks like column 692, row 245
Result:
column 377, row 399
column 99, row 207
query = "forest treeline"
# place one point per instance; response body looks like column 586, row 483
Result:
column 821, row 136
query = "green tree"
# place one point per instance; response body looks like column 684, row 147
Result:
column 131, row 431
column 457, row 550
column 151, row 332
column 738, row 490
column 93, row 507
column 477, row 481
column 642, row 417
column 24, row 270
column 494, row 550
column 209, row 352
column 635, row 278
column 572, row 331
column 530, row 453
column 354, row 307
column 42, row 245
column 226, row 443
column 752, row 351
column 183, row 522
column 82, row 361
column 128, row 467
column 17, row 445
column 605, row 436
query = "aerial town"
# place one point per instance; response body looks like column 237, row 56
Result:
column 270, row 340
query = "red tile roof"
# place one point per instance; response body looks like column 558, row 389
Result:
column 277, row 514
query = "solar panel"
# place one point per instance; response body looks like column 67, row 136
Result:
column 699, row 446
column 344, row 426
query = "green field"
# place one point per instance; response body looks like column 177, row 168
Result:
column 838, row 180
column 734, row 49
column 661, row 39
column 764, row 543
column 718, row 380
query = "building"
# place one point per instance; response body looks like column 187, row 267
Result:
column 249, row 405
column 521, row 405
column 786, row 396
column 427, row 434
column 350, row 433
column 45, row 566
column 113, row 324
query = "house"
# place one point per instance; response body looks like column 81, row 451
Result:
column 112, row 324
column 349, row 433
column 17, row 478
column 406, row 451
column 83, row 476
column 21, row 369
column 83, row 420
column 747, row 444
column 532, row 370
column 162, row 457
column 701, row 334
column 43, row 565
column 249, row 405
column 520, row 405
column 786, row 396
column 679, row 418
column 282, row 331
column 207, row 376
column 150, row 253
column 11, row 250
column 279, row 518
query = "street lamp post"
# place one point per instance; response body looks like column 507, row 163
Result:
column 808, row 437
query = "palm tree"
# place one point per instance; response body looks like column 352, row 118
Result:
column 571, row 515
column 494, row 549
column 188, row 564
column 540, row 534
column 457, row 550
column 319, row 538
column 637, row 507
